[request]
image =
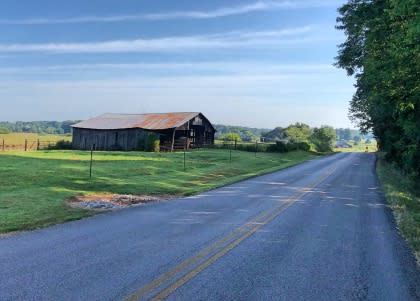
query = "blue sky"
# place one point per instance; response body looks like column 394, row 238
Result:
column 253, row 63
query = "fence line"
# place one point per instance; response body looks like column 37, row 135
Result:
column 27, row 145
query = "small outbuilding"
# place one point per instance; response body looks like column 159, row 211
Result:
column 175, row 131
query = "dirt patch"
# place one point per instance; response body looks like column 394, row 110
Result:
column 113, row 201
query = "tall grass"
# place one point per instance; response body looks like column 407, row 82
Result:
column 404, row 199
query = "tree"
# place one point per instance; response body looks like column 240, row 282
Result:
column 347, row 134
column 4, row 130
column 299, row 132
column 382, row 51
column 247, row 135
column 231, row 137
column 323, row 138
column 276, row 134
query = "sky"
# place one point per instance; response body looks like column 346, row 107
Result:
column 239, row 62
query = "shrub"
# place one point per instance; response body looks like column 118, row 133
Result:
column 247, row 147
column 305, row 146
column 61, row 144
column 152, row 143
column 279, row 147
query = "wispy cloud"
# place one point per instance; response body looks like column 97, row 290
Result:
column 175, row 43
column 263, row 100
column 199, row 68
column 215, row 13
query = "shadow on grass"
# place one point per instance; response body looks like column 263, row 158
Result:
column 35, row 186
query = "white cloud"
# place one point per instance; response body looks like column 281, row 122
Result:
column 216, row 13
column 175, row 43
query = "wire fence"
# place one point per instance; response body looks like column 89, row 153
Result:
column 27, row 145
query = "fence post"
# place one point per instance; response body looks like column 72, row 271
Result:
column 26, row 145
column 3, row 144
column 91, row 159
column 184, row 161
column 37, row 145
column 230, row 154
column 236, row 140
column 256, row 148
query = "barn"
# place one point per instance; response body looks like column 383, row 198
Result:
column 175, row 131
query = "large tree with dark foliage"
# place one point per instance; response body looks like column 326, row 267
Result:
column 382, row 51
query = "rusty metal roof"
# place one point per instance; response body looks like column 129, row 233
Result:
column 153, row 121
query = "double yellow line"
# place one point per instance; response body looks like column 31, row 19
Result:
column 224, row 245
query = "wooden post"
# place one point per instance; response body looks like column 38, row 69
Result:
column 188, row 135
column 256, row 148
column 173, row 140
column 236, row 140
column 3, row 144
column 184, row 161
column 37, row 145
column 230, row 154
column 91, row 159
column 26, row 145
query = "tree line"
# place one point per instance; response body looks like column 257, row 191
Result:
column 295, row 136
column 382, row 51
column 240, row 133
column 41, row 127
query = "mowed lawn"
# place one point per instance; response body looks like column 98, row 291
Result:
column 34, row 185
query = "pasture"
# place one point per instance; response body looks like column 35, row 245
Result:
column 34, row 185
column 16, row 141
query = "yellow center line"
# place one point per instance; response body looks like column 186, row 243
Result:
column 191, row 260
column 258, row 224
column 166, row 292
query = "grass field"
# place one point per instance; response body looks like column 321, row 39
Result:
column 18, row 139
column 361, row 147
column 404, row 200
column 34, row 185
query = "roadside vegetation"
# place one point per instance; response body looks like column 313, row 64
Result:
column 382, row 52
column 35, row 185
column 404, row 198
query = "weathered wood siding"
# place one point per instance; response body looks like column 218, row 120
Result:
column 196, row 132
column 123, row 139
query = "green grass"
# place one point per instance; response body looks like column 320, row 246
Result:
column 404, row 200
column 34, row 185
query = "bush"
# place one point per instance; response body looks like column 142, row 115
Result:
column 279, row 147
column 149, row 143
column 61, row 144
column 246, row 147
column 305, row 146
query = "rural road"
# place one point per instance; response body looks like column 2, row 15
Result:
column 316, row 231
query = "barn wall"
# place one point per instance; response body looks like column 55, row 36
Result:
column 197, row 132
column 121, row 139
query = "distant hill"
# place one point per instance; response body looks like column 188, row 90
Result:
column 274, row 135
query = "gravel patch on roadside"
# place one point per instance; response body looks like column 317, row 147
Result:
column 112, row 201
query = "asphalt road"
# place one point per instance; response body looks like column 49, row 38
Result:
column 316, row 231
